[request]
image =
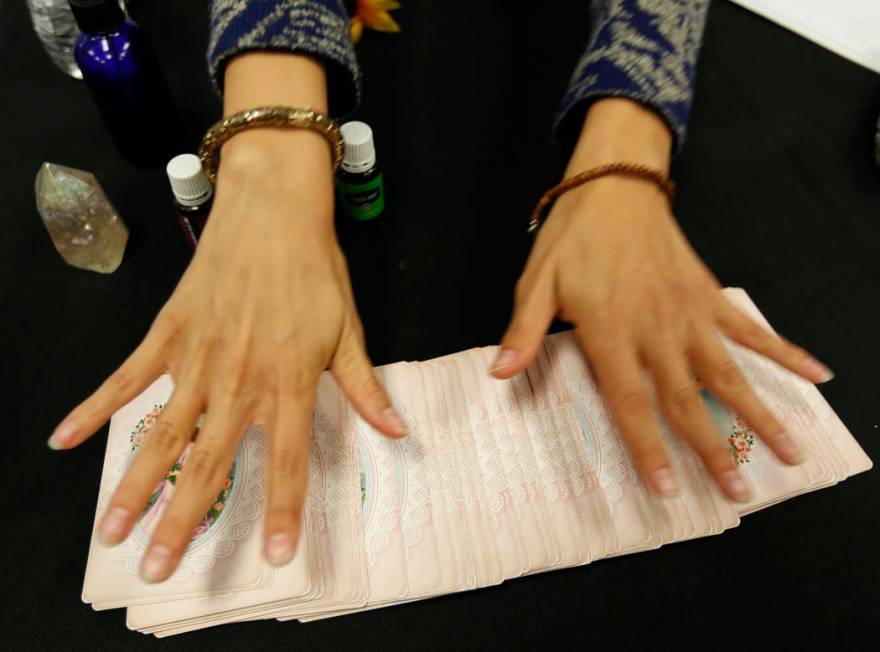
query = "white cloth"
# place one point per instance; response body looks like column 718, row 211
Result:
column 850, row 28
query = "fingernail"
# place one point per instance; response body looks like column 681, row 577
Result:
column 504, row 360
column 156, row 565
column 114, row 527
column 62, row 437
column 393, row 421
column 279, row 549
column 735, row 487
column 787, row 449
column 816, row 371
column 665, row 482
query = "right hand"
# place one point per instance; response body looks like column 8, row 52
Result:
column 264, row 307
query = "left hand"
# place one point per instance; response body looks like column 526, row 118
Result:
column 611, row 259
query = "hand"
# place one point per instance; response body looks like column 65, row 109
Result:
column 611, row 260
column 264, row 307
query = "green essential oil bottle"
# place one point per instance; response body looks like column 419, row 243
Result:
column 359, row 179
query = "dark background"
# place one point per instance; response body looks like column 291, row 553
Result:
column 778, row 193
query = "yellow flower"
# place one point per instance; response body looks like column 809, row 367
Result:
column 373, row 14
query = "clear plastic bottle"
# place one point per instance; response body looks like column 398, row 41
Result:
column 54, row 24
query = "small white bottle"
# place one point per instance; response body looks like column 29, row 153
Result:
column 193, row 194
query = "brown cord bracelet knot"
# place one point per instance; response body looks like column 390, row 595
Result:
column 635, row 170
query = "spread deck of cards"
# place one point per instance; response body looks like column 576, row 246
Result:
column 495, row 480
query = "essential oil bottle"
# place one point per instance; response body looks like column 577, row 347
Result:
column 359, row 180
column 193, row 195
column 122, row 73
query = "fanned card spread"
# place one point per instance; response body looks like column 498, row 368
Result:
column 496, row 479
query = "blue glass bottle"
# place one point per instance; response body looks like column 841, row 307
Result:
column 121, row 70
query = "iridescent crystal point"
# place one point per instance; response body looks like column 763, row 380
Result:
column 84, row 227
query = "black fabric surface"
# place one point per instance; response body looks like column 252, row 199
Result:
column 779, row 194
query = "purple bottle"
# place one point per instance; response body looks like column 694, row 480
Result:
column 122, row 73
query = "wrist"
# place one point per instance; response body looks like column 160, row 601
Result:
column 283, row 150
column 280, row 174
column 264, row 78
column 621, row 130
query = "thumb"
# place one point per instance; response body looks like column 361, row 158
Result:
column 533, row 311
column 354, row 372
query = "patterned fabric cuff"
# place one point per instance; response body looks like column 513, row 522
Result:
column 319, row 28
column 645, row 51
column 877, row 143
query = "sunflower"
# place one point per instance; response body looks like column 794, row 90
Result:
column 373, row 14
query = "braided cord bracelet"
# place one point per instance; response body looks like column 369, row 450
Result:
column 634, row 170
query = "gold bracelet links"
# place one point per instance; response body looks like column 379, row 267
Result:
column 267, row 116
column 635, row 170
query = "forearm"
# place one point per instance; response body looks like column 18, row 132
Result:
column 317, row 28
column 621, row 130
column 273, row 78
column 645, row 52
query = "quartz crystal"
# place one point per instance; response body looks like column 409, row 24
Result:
column 84, row 227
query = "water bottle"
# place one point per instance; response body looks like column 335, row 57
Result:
column 57, row 30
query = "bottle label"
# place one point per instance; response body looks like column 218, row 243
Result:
column 362, row 201
column 193, row 225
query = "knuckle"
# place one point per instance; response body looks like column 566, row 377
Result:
column 172, row 531
column 372, row 388
column 295, row 378
column 636, row 403
column 521, row 291
column 122, row 380
column 685, row 401
column 164, row 436
column 236, row 371
column 718, row 460
column 729, row 376
column 213, row 341
column 751, row 332
column 201, row 467
column 610, row 326
column 285, row 512
column 168, row 324
column 661, row 314
column 646, row 449
column 346, row 359
column 798, row 354
column 285, row 462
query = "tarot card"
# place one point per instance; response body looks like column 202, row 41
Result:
column 224, row 554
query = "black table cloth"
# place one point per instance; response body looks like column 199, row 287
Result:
column 778, row 193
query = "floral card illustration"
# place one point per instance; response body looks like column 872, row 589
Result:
column 228, row 534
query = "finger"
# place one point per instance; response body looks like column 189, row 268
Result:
column 622, row 382
column 718, row 372
column 159, row 451
column 683, row 406
column 742, row 329
column 141, row 368
column 287, row 478
column 534, row 309
column 354, row 372
column 201, row 478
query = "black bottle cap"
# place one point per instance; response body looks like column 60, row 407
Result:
column 97, row 16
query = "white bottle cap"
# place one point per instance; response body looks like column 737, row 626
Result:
column 189, row 183
column 360, row 153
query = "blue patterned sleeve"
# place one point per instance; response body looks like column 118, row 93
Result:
column 319, row 28
column 645, row 50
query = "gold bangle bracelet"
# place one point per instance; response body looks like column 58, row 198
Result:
column 267, row 116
